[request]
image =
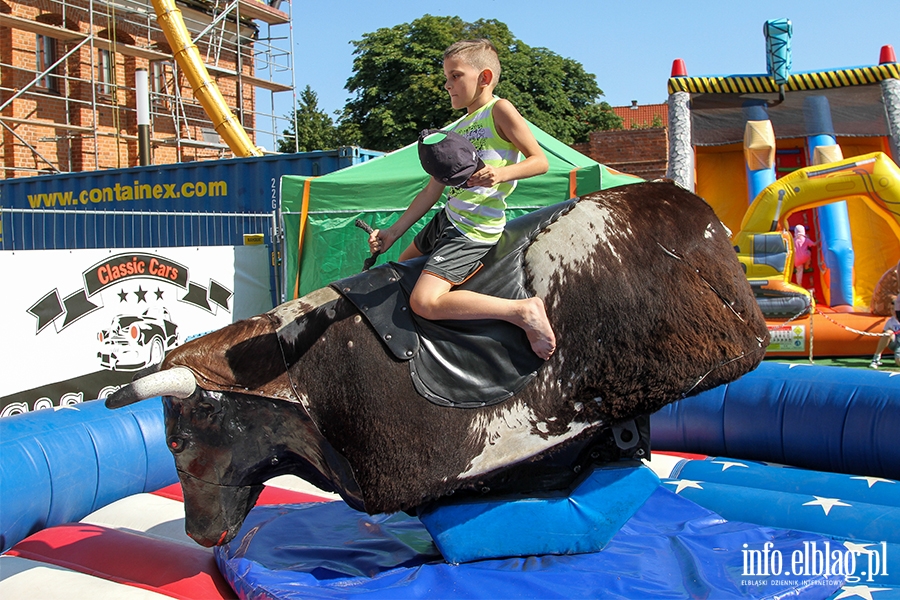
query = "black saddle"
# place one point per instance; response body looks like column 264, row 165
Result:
column 457, row 363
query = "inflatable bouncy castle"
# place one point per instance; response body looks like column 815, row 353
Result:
column 819, row 149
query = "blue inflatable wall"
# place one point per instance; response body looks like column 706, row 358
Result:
column 822, row 418
column 60, row 465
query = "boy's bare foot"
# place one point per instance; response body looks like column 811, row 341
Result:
column 537, row 328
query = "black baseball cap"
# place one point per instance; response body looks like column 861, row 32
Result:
column 448, row 157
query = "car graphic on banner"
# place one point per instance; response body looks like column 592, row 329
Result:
column 133, row 342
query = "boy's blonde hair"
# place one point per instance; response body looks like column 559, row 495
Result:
column 479, row 53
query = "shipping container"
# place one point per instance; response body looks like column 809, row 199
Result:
column 210, row 203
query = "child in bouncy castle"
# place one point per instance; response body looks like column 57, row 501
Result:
column 890, row 338
column 802, row 255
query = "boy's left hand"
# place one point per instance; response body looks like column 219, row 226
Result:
column 487, row 177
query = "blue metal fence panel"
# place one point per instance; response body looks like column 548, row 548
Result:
column 27, row 229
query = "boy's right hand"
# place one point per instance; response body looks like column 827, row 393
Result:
column 381, row 240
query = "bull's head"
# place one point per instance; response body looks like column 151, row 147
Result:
column 225, row 446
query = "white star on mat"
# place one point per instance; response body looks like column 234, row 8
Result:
column 861, row 591
column 873, row 480
column 684, row 483
column 727, row 464
column 66, row 407
column 826, row 503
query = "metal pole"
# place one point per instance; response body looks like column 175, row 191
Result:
column 142, row 87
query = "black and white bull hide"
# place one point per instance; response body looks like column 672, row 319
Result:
column 649, row 305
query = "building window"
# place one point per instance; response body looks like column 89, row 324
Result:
column 46, row 56
column 161, row 78
column 106, row 75
column 158, row 77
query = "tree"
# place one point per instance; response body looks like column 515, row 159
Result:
column 398, row 83
column 315, row 130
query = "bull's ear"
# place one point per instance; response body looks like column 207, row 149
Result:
column 210, row 404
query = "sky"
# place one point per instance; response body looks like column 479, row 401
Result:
column 628, row 46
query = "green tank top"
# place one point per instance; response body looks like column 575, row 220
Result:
column 480, row 212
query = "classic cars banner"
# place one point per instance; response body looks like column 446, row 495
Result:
column 77, row 324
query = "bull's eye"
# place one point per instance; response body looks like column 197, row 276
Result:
column 176, row 445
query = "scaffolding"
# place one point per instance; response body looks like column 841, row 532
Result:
column 67, row 85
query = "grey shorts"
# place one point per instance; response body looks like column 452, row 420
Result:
column 452, row 256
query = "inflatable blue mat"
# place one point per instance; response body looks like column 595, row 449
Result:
column 670, row 548
column 860, row 514
column 834, row 504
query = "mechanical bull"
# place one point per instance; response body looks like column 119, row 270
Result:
column 649, row 305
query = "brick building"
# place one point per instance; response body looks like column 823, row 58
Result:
column 641, row 148
column 67, row 80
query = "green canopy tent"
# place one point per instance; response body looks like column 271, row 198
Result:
column 321, row 243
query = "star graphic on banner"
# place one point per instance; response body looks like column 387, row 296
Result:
column 141, row 294
column 727, row 464
column 873, row 480
column 159, row 294
column 861, row 591
column 681, row 484
column 826, row 503
column 123, row 295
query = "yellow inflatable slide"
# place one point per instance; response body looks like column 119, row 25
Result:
column 870, row 184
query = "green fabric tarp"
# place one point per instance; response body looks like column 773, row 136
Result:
column 322, row 244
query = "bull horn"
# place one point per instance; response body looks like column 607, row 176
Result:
column 177, row 381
